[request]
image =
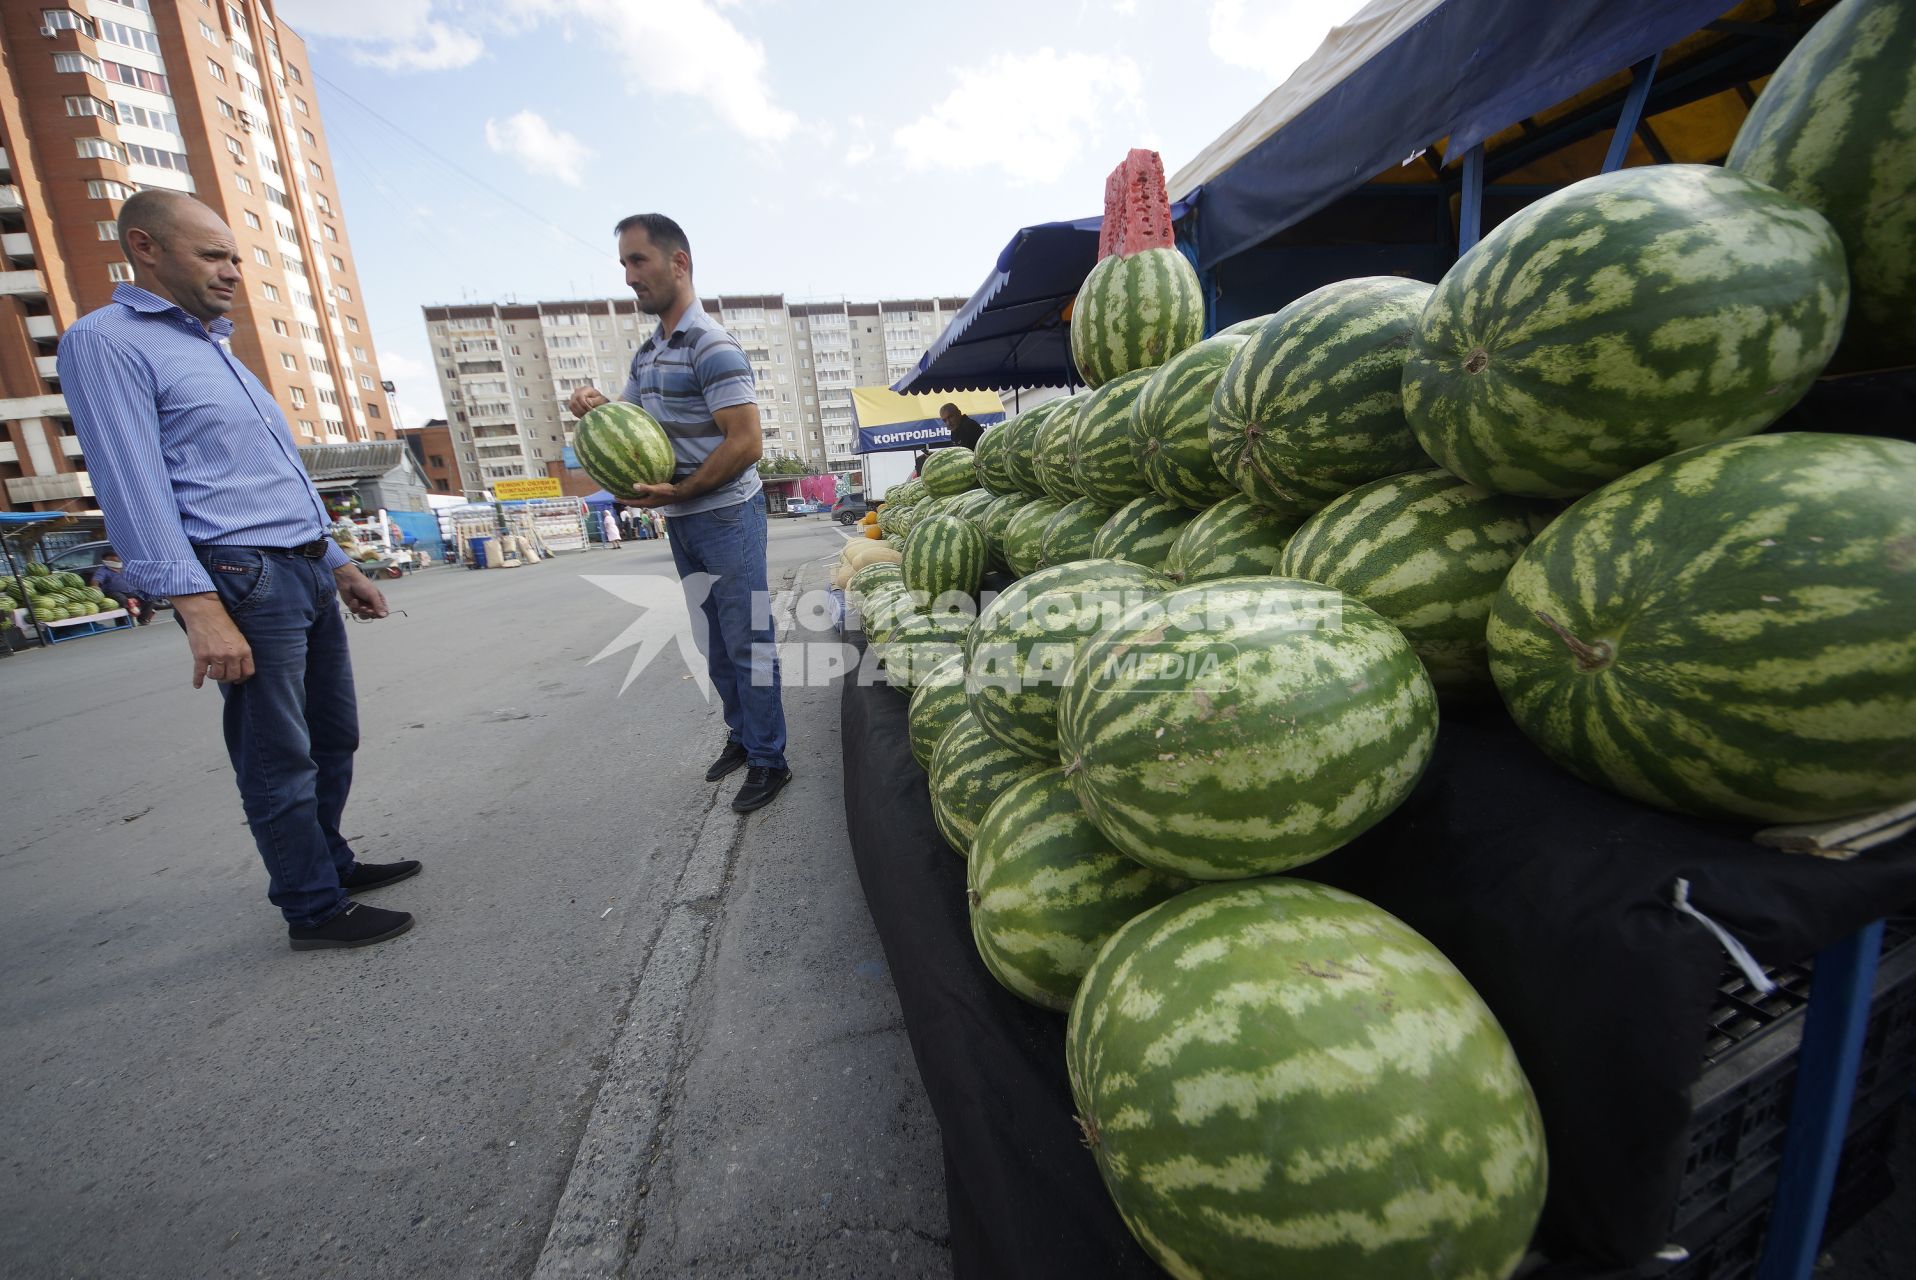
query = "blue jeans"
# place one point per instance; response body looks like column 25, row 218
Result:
column 728, row 543
column 291, row 729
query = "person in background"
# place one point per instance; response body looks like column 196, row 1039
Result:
column 109, row 576
column 965, row 431
column 611, row 527
column 194, row 467
column 693, row 377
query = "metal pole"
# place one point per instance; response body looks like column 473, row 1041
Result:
column 1470, row 212
column 1640, row 77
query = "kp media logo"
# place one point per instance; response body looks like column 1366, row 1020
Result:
column 1189, row 665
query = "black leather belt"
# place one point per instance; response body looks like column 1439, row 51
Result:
column 314, row 550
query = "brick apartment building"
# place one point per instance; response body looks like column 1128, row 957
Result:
column 214, row 98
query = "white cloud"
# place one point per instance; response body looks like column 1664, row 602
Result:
column 686, row 47
column 859, row 152
column 1030, row 115
column 1272, row 37
column 534, row 143
column 394, row 34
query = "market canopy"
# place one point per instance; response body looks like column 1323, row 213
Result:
column 888, row 420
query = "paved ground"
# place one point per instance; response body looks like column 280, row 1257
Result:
column 188, row 1098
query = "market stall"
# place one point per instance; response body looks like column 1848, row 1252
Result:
column 46, row 604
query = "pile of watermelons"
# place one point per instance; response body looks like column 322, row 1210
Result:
column 1252, row 566
column 55, row 597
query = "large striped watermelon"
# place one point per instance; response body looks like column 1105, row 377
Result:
column 1102, row 462
column 990, row 462
column 1051, row 450
column 972, row 504
column 1244, row 328
column 1280, row 1079
column 1027, row 636
column 1730, row 632
column 1021, row 446
column 945, row 560
column 1024, row 534
column 1626, row 317
column 936, row 704
column 1836, row 129
column 1047, row 889
column 1134, row 311
column 621, row 445
column 970, row 769
column 1428, row 552
column 1243, row 726
column 1141, row 531
column 906, row 492
column 1069, row 534
column 949, row 472
column 1312, row 405
column 994, row 519
column 895, row 519
column 1171, row 424
column 1234, row 537
column 919, row 643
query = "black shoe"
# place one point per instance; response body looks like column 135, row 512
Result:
column 356, row 926
column 377, row 875
column 729, row 759
column 761, row 784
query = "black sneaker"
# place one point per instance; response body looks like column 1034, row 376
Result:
column 356, row 926
column 377, row 875
column 761, row 784
column 729, row 759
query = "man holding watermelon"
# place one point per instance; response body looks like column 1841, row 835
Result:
column 693, row 378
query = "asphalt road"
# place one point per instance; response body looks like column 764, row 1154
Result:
column 630, row 1029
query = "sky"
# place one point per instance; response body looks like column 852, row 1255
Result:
column 852, row 149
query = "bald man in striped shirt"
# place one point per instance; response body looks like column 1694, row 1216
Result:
column 207, row 502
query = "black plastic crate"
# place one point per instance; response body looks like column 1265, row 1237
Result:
column 1741, row 1109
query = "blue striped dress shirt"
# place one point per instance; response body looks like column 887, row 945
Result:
column 184, row 445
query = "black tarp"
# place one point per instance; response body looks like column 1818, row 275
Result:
column 1552, row 896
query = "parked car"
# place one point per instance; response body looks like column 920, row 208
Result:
column 849, row 509
column 84, row 558
column 800, row 507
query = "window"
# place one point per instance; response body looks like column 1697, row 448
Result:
column 299, row 397
column 307, row 134
column 245, row 55
column 138, row 77
column 286, row 361
column 352, row 322
column 208, row 33
column 279, row 327
column 79, row 62
column 338, row 263
column 105, row 189
column 131, row 37
column 319, row 364
column 345, row 294
column 359, row 354
column 299, row 105
column 225, row 108
column 99, row 149
column 239, row 19
column 293, row 71
column 330, row 233
column 150, row 119
column 87, row 106
column 252, row 219
column 308, row 332
column 365, row 383
column 65, row 20
column 312, row 167
column 157, row 158
column 278, row 197
column 239, row 180
column 262, row 257
column 119, row 271
column 271, row 292
column 372, row 410
column 216, row 70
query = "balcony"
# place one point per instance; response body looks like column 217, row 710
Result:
column 42, row 328
column 23, row 284
column 24, row 408
column 17, row 245
column 70, row 446
column 10, row 201
column 48, row 366
column 55, row 488
column 6, row 161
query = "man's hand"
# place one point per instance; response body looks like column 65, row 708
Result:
column 361, row 597
column 584, row 401
column 652, row 495
column 219, row 650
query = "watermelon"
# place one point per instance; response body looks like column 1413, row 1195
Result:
column 1730, row 632
column 1046, row 889
column 1428, row 552
column 1171, row 424
column 1133, row 312
column 1236, row 536
column 1069, row 534
column 969, row 769
column 907, row 492
column 895, row 519
column 936, row 703
column 949, row 472
column 1141, row 531
column 993, row 521
column 1311, row 406
column 1281, row 1079
column 1021, row 446
column 1243, row 328
column 945, row 560
column 1243, row 726
column 622, row 446
column 868, row 576
column 1026, row 637
column 1626, row 317
column 919, row 643
column 1051, row 450
column 990, row 463
column 1102, row 462
column 1024, row 534
column 1835, row 130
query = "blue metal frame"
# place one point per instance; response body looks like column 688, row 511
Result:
column 1826, row 1065
column 1627, row 120
column 1470, row 211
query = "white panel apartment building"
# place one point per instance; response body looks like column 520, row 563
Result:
column 507, row 369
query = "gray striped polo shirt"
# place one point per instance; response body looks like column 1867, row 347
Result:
column 681, row 380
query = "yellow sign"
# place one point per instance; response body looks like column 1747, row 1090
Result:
column 514, row 490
